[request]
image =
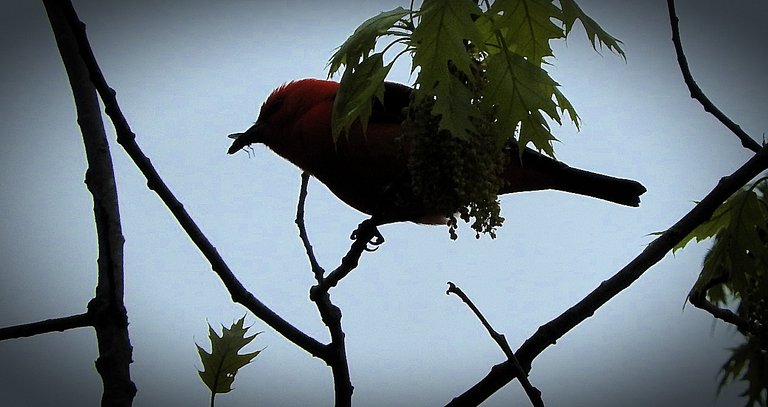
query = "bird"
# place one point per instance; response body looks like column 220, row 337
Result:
column 367, row 170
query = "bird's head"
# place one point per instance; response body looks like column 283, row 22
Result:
column 286, row 106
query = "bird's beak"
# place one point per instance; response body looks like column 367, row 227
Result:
column 250, row 136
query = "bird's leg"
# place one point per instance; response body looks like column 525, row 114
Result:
column 368, row 229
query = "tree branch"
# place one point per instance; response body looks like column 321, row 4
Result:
column 47, row 326
column 533, row 393
column 336, row 357
column 126, row 138
column 698, row 299
column 365, row 232
column 550, row 332
column 318, row 271
column 697, row 93
column 106, row 311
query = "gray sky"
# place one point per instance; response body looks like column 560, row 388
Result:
column 188, row 73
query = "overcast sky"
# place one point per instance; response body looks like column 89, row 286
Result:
column 189, row 73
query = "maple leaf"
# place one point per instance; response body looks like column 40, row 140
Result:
column 719, row 220
column 438, row 45
column 223, row 362
column 357, row 89
column 362, row 42
column 517, row 91
column 595, row 33
column 748, row 363
column 526, row 27
column 363, row 78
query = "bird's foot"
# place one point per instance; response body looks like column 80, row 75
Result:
column 368, row 229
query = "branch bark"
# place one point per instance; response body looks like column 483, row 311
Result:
column 699, row 300
column 533, row 393
column 106, row 311
column 550, row 332
column 336, row 357
column 317, row 270
column 47, row 326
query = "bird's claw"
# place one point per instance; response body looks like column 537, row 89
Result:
column 365, row 228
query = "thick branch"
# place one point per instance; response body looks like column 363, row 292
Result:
column 106, row 310
column 336, row 355
column 126, row 138
column 549, row 333
column 533, row 393
column 47, row 326
column 697, row 93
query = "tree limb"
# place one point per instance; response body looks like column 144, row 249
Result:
column 127, row 139
column 533, row 393
column 550, row 332
column 318, row 271
column 698, row 299
column 106, row 311
column 47, row 326
column 336, row 357
column 365, row 232
column 697, row 93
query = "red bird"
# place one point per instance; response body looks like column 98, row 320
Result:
column 362, row 170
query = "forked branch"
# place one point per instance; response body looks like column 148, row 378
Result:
column 550, row 332
column 533, row 393
column 336, row 357
column 127, row 139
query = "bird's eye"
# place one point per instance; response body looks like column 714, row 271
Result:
column 273, row 106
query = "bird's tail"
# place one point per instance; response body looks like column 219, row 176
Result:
column 534, row 171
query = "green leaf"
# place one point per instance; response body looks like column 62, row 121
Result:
column 595, row 33
column 453, row 106
column 717, row 262
column 748, row 363
column 362, row 42
column 736, row 269
column 565, row 106
column 719, row 220
column 438, row 46
column 358, row 86
column 517, row 91
column 223, row 362
column 526, row 27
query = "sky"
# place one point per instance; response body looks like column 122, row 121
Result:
column 189, row 73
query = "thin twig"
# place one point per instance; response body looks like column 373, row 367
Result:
column 699, row 300
column 47, row 326
column 126, row 138
column 365, row 232
column 550, row 332
column 318, row 271
column 697, row 93
column 336, row 355
column 533, row 393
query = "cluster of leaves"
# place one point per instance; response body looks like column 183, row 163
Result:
column 503, row 43
column 736, row 270
column 223, row 362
